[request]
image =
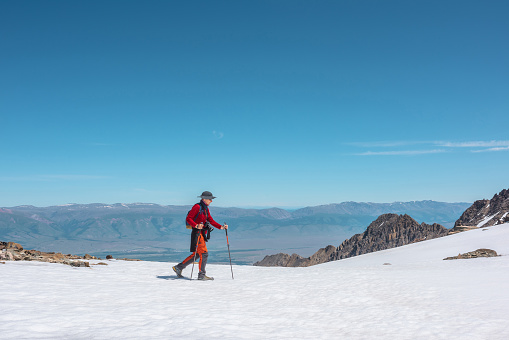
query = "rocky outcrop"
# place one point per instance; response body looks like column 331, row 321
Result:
column 11, row 251
column 277, row 260
column 387, row 231
column 284, row 260
column 474, row 254
column 486, row 213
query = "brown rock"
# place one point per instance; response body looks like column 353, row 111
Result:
column 33, row 253
column 126, row 259
column 474, row 254
column 100, row 264
column 16, row 246
column 80, row 264
column 13, row 255
column 58, row 256
column 109, row 257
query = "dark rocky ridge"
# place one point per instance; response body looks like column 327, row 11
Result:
column 387, row 231
column 487, row 213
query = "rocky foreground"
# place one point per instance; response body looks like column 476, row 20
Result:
column 11, row 251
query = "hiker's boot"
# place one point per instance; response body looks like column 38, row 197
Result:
column 177, row 271
column 204, row 277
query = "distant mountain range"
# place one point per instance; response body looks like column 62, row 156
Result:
column 151, row 230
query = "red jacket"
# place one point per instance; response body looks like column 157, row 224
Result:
column 194, row 217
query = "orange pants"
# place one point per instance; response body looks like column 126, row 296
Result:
column 201, row 251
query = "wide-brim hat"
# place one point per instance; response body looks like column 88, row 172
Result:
column 207, row 195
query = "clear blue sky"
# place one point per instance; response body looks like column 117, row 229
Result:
column 264, row 103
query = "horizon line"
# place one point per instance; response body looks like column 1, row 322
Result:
column 257, row 207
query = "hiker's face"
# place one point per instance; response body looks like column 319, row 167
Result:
column 207, row 202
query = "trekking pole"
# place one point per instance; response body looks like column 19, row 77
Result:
column 228, row 243
column 195, row 251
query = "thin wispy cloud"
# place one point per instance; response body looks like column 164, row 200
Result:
column 492, row 149
column 388, row 144
column 476, row 144
column 217, row 134
column 444, row 146
column 400, row 153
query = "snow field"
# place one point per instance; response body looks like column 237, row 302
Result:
column 418, row 296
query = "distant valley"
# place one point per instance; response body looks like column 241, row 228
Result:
column 156, row 232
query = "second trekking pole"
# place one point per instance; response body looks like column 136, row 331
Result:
column 195, row 251
column 228, row 243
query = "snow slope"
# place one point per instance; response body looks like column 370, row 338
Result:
column 418, row 296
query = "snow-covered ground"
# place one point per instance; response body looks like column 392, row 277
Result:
column 417, row 296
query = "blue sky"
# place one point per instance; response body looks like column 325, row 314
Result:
column 264, row 103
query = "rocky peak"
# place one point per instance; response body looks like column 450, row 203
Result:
column 387, row 231
column 487, row 213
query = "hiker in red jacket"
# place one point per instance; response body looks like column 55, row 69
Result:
column 199, row 220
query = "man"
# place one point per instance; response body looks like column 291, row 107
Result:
column 197, row 218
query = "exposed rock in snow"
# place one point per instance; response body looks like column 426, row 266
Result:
column 474, row 254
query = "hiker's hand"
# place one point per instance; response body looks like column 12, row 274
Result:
column 224, row 226
column 199, row 226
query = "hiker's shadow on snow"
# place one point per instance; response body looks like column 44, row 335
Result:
column 172, row 277
column 167, row 277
